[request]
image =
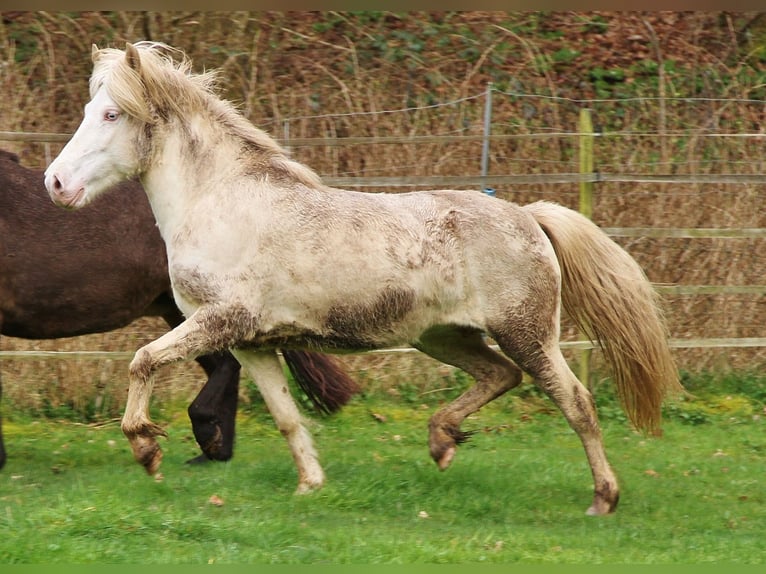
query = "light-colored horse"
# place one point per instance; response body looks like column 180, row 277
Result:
column 263, row 255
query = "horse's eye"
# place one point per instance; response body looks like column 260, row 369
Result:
column 111, row 115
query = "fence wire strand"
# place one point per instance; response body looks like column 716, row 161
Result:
column 710, row 158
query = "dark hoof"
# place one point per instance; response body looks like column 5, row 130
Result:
column 199, row 459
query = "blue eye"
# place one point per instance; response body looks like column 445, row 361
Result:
column 111, row 115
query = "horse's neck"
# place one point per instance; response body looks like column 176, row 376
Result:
column 177, row 181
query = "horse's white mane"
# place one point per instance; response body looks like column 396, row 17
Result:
column 166, row 86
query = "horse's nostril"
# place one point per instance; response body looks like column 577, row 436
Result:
column 56, row 183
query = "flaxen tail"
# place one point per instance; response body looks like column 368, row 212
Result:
column 607, row 294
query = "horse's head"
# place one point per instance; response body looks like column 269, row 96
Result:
column 114, row 135
column 146, row 105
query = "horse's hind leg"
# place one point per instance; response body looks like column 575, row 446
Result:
column 551, row 373
column 494, row 374
column 266, row 371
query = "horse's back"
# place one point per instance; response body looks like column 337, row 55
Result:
column 504, row 254
column 487, row 237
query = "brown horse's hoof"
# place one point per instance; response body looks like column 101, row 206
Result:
column 213, row 446
column 201, row 458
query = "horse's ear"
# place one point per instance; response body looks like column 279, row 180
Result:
column 132, row 57
column 93, row 52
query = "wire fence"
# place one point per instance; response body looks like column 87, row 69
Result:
column 702, row 157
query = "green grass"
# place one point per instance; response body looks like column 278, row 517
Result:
column 516, row 492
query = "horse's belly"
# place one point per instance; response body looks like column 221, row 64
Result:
column 391, row 316
column 293, row 303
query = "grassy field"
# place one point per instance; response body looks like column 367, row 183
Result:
column 517, row 492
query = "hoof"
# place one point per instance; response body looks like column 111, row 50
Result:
column 602, row 507
column 443, row 441
column 199, row 459
column 210, row 440
column 308, row 488
column 446, row 459
column 147, row 452
column 310, row 480
column 152, row 465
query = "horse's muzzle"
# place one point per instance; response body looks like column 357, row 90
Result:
column 68, row 197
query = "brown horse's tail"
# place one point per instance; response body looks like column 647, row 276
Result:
column 321, row 378
column 607, row 294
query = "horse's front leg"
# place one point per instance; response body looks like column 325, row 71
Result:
column 187, row 340
column 266, row 370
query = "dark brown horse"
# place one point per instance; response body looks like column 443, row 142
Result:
column 53, row 284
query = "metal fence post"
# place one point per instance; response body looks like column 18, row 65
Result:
column 485, row 142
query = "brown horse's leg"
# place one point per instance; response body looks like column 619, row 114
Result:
column 494, row 374
column 552, row 374
column 214, row 410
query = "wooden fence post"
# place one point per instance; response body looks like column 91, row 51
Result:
column 586, row 208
